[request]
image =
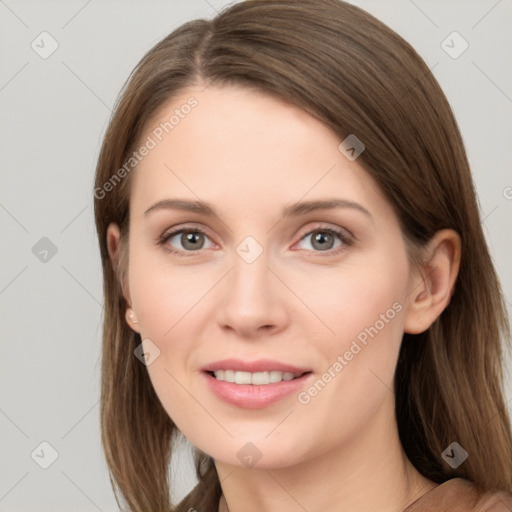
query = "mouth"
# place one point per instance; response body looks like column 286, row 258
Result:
column 263, row 378
column 255, row 389
column 254, row 384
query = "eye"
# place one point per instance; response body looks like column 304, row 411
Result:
column 326, row 239
column 190, row 240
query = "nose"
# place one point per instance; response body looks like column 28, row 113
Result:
column 253, row 300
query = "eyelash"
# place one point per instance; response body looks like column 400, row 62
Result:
column 346, row 241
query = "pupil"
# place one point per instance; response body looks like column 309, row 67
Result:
column 192, row 239
column 322, row 238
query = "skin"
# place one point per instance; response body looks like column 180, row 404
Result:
column 249, row 155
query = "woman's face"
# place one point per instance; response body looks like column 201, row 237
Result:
column 264, row 280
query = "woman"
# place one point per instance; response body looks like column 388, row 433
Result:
column 295, row 274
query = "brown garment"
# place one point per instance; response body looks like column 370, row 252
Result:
column 460, row 495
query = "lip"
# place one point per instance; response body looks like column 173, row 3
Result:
column 250, row 396
column 261, row 365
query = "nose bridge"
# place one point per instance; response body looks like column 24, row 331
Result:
column 250, row 298
column 249, row 279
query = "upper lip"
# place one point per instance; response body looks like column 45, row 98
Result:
column 261, row 365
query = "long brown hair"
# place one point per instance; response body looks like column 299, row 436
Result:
column 355, row 74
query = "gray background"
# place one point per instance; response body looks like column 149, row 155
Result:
column 54, row 113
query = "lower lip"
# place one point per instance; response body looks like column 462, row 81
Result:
column 250, row 396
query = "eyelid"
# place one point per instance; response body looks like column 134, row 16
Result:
column 328, row 227
column 176, row 230
column 345, row 236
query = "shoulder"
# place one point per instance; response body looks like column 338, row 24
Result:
column 460, row 495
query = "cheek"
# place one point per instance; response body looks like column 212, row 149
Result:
column 163, row 296
column 353, row 299
column 366, row 315
column 361, row 309
column 167, row 307
column 169, row 302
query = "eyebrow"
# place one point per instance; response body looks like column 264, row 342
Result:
column 299, row 208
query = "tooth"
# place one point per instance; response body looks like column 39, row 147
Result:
column 229, row 375
column 260, row 378
column 256, row 378
column 243, row 377
column 275, row 376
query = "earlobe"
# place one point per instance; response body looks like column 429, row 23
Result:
column 420, row 302
column 113, row 245
column 113, row 237
column 131, row 319
column 432, row 291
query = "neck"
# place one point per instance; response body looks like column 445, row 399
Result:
column 368, row 472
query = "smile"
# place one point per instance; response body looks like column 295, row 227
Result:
column 256, row 378
column 264, row 389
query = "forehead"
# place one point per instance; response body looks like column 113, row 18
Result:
column 233, row 143
column 238, row 122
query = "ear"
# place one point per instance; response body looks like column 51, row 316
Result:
column 113, row 245
column 432, row 285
